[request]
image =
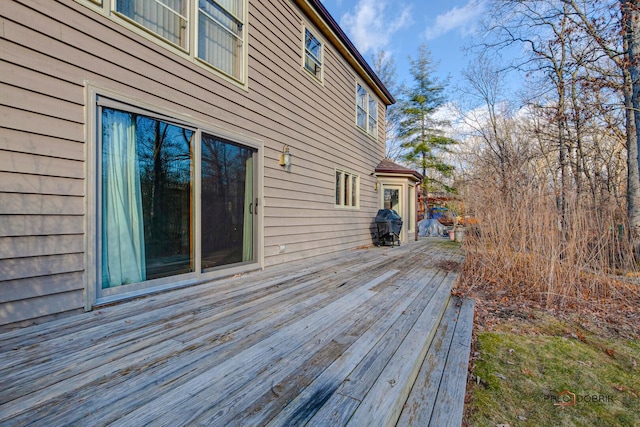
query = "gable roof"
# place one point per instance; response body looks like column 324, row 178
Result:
column 332, row 31
column 387, row 167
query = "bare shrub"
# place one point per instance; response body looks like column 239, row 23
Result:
column 520, row 250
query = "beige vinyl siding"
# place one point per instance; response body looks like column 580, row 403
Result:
column 52, row 47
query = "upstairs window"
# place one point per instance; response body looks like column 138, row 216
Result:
column 347, row 189
column 312, row 54
column 220, row 34
column 210, row 32
column 166, row 18
column 366, row 111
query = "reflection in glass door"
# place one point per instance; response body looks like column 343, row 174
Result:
column 228, row 203
column 146, row 199
column 392, row 199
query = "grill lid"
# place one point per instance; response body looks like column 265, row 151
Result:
column 387, row 215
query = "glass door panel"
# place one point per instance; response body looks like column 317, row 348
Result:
column 147, row 226
column 392, row 199
column 228, row 203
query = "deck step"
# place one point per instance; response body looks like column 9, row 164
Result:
column 437, row 396
column 383, row 403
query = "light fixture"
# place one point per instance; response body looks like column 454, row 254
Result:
column 285, row 156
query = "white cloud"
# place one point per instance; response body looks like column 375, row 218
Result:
column 370, row 25
column 459, row 18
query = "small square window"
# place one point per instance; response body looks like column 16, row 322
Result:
column 312, row 54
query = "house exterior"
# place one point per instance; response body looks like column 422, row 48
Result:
column 151, row 144
column 399, row 187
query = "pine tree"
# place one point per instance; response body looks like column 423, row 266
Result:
column 422, row 134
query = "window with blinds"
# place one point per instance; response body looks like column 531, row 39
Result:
column 210, row 32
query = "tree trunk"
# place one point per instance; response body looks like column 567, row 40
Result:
column 631, row 24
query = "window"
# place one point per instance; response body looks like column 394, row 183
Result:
column 312, row 54
column 347, row 189
column 220, row 34
column 166, row 18
column 366, row 111
column 210, row 32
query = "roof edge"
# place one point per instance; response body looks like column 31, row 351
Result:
column 387, row 167
column 322, row 13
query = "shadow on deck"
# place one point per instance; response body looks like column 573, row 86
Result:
column 367, row 337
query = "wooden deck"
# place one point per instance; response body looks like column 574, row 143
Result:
column 351, row 338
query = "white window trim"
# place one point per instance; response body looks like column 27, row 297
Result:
column 371, row 133
column 349, row 187
column 314, row 33
column 107, row 9
column 93, row 93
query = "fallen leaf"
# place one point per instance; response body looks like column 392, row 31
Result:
column 522, row 418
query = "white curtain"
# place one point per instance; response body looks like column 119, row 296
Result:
column 249, row 208
column 123, row 256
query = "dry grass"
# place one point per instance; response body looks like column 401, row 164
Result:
column 521, row 255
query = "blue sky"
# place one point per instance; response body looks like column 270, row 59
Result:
column 399, row 27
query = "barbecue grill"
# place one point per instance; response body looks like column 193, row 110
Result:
column 389, row 224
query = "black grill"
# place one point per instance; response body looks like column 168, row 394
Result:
column 389, row 224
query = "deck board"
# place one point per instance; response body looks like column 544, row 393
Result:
column 288, row 345
column 448, row 410
column 420, row 403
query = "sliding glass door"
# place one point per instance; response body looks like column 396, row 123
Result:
column 227, row 202
column 147, row 213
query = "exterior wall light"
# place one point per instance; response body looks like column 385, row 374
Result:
column 285, row 157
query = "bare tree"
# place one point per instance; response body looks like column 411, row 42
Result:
column 606, row 33
column 384, row 66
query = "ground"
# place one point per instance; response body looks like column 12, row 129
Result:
column 528, row 361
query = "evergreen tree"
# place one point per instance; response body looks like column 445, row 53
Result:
column 421, row 133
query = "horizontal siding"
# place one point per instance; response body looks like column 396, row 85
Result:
column 44, row 305
column 38, row 204
column 30, row 246
column 37, row 184
column 35, row 287
column 22, row 268
column 50, row 48
column 40, row 225
column 25, row 142
column 40, row 165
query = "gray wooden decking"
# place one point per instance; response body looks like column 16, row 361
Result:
column 351, row 338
